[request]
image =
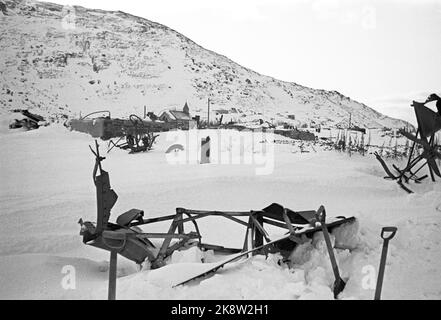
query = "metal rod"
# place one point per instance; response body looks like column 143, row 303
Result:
column 261, row 229
column 153, row 220
column 208, row 121
column 214, row 212
column 413, row 146
column 163, row 235
column 275, row 223
column 414, row 173
column 112, row 275
column 381, row 271
column 195, row 226
column 245, row 243
column 103, row 111
column 339, row 284
column 198, row 215
column 235, row 219
column 330, row 252
column 180, row 224
column 287, row 221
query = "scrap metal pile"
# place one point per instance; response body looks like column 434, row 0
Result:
column 429, row 123
column 126, row 238
column 106, row 127
column 28, row 121
column 137, row 138
column 134, row 134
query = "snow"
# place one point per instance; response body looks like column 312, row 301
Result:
column 46, row 186
column 46, row 174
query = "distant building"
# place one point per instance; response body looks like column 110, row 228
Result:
column 186, row 110
column 225, row 116
column 182, row 119
column 152, row 116
column 221, row 111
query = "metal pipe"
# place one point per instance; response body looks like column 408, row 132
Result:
column 112, row 275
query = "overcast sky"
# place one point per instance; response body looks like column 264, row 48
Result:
column 383, row 53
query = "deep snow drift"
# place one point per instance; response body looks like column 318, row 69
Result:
column 46, row 186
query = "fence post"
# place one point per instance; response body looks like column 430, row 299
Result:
column 112, row 275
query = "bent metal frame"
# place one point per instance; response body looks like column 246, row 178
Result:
column 126, row 238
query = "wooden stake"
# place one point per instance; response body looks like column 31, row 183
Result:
column 112, row 275
column 208, row 123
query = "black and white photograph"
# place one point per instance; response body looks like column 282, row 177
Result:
column 220, row 150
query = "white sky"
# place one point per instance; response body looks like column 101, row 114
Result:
column 381, row 52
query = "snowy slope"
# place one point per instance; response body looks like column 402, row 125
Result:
column 55, row 62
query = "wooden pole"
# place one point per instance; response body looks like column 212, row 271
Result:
column 180, row 224
column 112, row 275
column 208, row 123
column 258, row 234
column 387, row 233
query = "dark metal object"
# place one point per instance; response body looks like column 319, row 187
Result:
column 380, row 277
column 112, row 275
column 138, row 138
column 109, row 236
column 97, row 112
column 339, row 284
column 296, row 235
column 30, row 122
column 224, row 262
column 429, row 122
column 106, row 128
column 124, row 236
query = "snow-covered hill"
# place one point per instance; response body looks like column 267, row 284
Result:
column 65, row 62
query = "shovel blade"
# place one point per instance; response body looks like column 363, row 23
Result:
column 339, row 286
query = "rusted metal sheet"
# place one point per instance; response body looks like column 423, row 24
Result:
column 107, row 128
column 94, row 127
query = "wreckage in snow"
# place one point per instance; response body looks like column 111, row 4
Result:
column 106, row 127
column 126, row 238
column 27, row 121
column 137, row 138
column 134, row 133
column 429, row 123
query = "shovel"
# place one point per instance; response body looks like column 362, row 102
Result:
column 339, row 284
column 386, row 239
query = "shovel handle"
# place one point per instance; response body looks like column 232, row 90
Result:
column 385, row 230
column 386, row 239
column 320, row 215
